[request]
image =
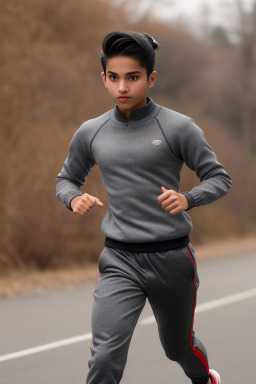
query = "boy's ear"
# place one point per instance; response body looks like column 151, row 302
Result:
column 104, row 79
column 152, row 79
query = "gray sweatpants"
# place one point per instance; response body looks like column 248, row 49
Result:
column 169, row 280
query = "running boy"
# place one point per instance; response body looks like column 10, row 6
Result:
column 140, row 147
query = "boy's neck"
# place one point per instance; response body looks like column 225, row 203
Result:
column 127, row 113
column 137, row 116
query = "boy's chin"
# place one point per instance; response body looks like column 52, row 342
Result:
column 124, row 105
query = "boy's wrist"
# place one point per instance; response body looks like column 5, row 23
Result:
column 69, row 205
column 190, row 199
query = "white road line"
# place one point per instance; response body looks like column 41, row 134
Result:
column 46, row 347
column 149, row 320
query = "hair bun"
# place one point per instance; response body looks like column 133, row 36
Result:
column 152, row 40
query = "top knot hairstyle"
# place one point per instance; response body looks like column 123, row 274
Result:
column 139, row 46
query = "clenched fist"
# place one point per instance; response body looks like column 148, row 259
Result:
column 172, row 201
column 82, row 204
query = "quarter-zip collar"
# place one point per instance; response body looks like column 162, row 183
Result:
column 137, row 116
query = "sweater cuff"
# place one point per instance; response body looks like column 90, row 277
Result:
column 68, row 198
column 190, row 199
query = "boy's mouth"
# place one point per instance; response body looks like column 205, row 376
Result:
column 123, row 98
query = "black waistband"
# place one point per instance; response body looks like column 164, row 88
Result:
column 153, row 246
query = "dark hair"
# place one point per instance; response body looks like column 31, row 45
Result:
column 140, row 46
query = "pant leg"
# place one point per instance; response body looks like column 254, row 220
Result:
column 172, row 295
column 118, row 302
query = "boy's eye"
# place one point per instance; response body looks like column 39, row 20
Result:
column 114, row 77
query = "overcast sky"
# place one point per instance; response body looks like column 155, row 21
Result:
column 195, row 15
column 193, row 7
column 190, row 12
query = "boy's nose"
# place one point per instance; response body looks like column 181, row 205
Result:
column 122, row 86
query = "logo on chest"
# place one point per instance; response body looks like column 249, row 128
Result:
column 156, row 142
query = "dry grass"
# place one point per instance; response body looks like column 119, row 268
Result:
column 27, row 282
column 23, row 283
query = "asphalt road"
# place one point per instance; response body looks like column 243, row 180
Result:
column 225, row 321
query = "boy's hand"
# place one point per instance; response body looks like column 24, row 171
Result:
column 172, row 201
column 82, row 204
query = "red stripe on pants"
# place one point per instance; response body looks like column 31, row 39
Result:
column 196, row 351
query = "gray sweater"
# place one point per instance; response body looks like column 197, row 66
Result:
column 136, row 157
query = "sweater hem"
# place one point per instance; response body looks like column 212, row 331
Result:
column 153, row 246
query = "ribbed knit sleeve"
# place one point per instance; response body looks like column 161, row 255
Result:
column 76, row 168
column 191, row 146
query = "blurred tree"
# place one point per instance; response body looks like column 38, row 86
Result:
column 219, row 37
column 247, row 41
column 205, row 13
column 242, row 24
column 247, row 37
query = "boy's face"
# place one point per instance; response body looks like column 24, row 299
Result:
column 127, row 83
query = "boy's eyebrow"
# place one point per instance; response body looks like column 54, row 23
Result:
column 128, row 73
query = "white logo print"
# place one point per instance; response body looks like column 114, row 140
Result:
column 156, row 142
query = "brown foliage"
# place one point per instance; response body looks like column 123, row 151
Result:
column 50, row 83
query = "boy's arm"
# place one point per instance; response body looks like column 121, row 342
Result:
column 75, row 169
column 192, row 147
